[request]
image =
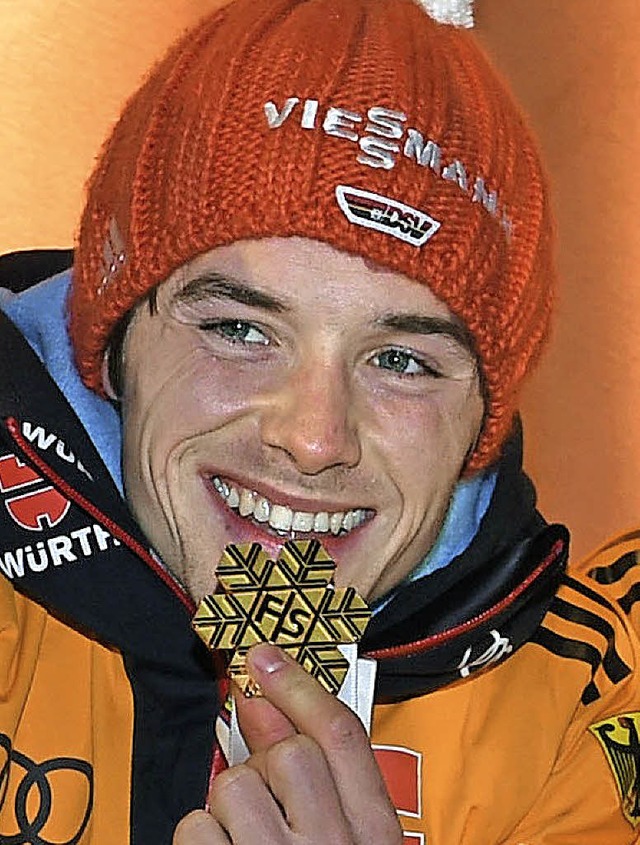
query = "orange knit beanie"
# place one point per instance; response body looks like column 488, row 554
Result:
column 361, row 123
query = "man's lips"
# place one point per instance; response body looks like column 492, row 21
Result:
column 285, row 519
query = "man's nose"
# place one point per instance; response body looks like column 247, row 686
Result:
column 311, row 418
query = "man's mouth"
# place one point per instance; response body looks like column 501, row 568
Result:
column 284, row 519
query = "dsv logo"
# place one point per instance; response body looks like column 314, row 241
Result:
column 32, row 505
column 29, row 814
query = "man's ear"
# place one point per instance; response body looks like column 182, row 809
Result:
column 107, row 385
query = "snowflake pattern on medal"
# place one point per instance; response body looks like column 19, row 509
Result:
column 290, row 602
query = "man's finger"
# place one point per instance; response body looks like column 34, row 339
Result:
column 339, row 733
column 261, row 723
column 298, row 776
column 200, row 828
column 242, row 802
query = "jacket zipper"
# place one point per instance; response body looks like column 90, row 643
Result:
column 218, row 763
column 420, row 646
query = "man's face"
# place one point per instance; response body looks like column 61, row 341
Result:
column 286, row 389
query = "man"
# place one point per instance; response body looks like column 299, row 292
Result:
column 313, row 271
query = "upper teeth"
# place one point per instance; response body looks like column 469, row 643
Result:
column 283, row 518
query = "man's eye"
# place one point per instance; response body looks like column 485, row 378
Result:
column 236, row 331
column 404, row 363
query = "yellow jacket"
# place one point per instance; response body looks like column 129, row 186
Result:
column 510, row 755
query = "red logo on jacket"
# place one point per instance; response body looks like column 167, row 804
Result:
column 401, row 769
column 35, row 509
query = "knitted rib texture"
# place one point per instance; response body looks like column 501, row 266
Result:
column 253, row 121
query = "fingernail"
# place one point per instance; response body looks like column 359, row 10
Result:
column 266, row 658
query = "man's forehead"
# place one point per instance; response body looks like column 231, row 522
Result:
column 282, row 265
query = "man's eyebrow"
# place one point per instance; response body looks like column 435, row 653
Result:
column 421, row 324
column 219, row 286
column 212, row 285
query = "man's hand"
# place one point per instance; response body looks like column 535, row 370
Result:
column 311, row 779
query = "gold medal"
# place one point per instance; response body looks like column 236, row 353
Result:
column 290, row 602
